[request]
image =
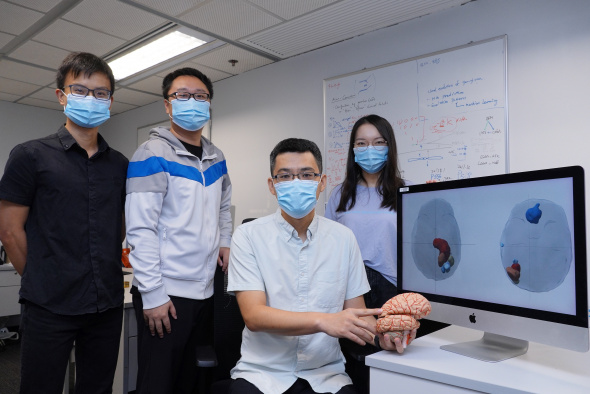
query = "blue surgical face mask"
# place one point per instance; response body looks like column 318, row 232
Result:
column 371, row 160
column 87, row 111
column 190, row 114
column 297, row 198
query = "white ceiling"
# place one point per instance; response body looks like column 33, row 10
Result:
column 35, row 36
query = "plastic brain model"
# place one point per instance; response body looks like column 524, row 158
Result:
column 401, row 313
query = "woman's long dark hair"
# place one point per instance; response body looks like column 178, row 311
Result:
column 389, row 178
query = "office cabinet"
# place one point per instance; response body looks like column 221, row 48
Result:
column 9, row 288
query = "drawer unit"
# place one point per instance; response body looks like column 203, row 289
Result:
column 9, row 288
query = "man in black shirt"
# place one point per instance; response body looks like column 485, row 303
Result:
column 62, row 200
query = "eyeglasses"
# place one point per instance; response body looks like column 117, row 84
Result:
column 362, row 146
column 184, row 96
column 82, row 91
column 303, row 176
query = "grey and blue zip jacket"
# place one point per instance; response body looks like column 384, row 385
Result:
column 177, row 214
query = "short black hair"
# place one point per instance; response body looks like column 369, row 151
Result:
column 193, row 72
column 83, row 62
column 295, row 145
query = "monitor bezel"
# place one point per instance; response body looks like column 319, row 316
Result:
column 576, row 173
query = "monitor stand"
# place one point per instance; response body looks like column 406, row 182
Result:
column 491, row 348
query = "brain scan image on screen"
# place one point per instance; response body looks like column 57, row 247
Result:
column 436, row 240
column 536, row 245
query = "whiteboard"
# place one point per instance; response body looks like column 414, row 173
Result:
column 448, row 111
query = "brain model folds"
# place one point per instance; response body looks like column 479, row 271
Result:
column 400, row 315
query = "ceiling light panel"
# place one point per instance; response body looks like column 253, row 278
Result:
column 114, row 17
column 39, row 5
column 73, row 37
column 289, row 9
column 172, row 8
column 15, row 19
column 41, row 54
column 219, row 59
column 341, row 21
column 155, row 52
column 25, row 73
column 230, row 18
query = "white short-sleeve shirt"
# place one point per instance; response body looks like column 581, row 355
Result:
column 317, row 275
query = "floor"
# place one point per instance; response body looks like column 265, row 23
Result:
column 10, row 365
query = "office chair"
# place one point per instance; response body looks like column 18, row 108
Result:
column 228, row 325
column 355, row 363
column 215, row 362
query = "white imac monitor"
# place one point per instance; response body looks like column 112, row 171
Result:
column 504, row 254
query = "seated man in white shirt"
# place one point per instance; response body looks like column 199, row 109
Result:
column 299, row 280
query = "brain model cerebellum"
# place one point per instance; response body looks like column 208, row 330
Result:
column 536, row 245
column 401, row 313
column 436, row 240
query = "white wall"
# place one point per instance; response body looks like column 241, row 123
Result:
column 548, row 89
column 121, row 130
column 20, row 123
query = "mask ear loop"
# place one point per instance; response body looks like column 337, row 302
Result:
column 170, row 116
column 61, row 90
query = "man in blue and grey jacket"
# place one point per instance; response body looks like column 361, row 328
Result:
column 178, row 228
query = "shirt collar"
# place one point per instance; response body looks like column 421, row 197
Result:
column 288, row 231
column 68, row 141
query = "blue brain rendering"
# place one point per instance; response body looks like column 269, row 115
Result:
column 536, row 245
column 435, row 230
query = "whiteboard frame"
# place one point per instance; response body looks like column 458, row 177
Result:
column 504, row 38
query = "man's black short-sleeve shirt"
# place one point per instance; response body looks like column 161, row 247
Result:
column 74, row 225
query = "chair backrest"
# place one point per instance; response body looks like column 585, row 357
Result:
column 228, row 326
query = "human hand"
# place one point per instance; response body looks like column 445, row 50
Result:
column 157, row 318
column 348, row 324
column 387, row 342
column 223, row 259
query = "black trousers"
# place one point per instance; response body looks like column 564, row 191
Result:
column 168, row 365
column 301, row 386
column 47, row 340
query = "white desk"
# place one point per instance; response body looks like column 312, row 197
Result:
column 425, row 368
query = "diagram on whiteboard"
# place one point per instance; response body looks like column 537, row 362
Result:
column 448, row 112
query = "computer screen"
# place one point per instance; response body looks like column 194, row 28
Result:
column 504, row 254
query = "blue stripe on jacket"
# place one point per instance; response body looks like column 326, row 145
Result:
column 155, row 165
